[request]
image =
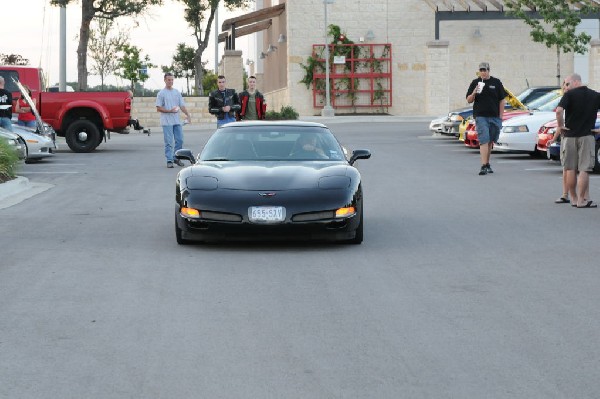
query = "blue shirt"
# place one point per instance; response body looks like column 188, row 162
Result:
column 168, row 99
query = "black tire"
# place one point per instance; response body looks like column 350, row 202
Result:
column 597, row 160
column 358, row 237
column 178, row 235
column 83, row 136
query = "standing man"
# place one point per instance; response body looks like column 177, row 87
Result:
column 253, row 105
column 5, row 107
column 224, row 103
column 580, row 105
column 487, row 93
column 168, row 102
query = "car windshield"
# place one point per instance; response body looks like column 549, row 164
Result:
column 551, row 105
column 276, row 143
column 544, row 99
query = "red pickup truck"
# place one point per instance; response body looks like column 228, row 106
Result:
column 83, row 118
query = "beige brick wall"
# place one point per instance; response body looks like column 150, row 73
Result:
column 144, row 109
column 409, row 25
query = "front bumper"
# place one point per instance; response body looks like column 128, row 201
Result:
column 320, row 230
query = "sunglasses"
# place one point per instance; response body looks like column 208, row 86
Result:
column 482, row 69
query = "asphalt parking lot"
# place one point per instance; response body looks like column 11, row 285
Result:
column 466, row 286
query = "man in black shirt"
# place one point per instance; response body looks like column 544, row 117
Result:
column 5, row 107
column 580, row 105
column 223, row 103
column 487, row 93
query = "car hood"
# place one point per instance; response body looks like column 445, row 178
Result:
column 276, row 176
column 537, row 118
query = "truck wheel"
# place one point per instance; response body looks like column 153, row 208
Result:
column 597, row 161
column 82, row 136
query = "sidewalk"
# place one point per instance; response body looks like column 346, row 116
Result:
column 17, row 190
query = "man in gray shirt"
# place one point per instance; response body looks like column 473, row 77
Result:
column 168, row 102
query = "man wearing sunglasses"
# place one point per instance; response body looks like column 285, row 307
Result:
column 580, row 105
column 487, row 95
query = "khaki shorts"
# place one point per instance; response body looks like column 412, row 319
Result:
column 577, row 153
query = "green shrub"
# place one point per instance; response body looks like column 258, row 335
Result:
column 286, row 113
column 8, row 162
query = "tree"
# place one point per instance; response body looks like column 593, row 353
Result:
column 131, row 65
column 13, row 59
column 556, row 28
column 103, row 48
column 194, row 14
column 182, row 65
column 103, row 9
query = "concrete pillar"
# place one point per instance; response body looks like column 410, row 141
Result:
column 232, row 67
column 437, row 90
column 594, row 60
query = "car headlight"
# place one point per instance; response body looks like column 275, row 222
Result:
column 515, row 129
column 456, row 118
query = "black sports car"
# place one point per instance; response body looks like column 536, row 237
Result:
column 270, row 181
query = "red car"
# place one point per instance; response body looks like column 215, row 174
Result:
column 545, row 133
column 471, row 140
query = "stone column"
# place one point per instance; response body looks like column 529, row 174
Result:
column 437, row 78
column 594, row 62
column 232, row 67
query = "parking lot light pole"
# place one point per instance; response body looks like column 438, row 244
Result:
column 327, row 109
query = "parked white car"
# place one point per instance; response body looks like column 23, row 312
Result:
column 519, row 134
column 14, row 141
column 40, row 142
column 37, row 146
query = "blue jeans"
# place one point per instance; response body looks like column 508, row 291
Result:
column 488, row 129
column 227, row 119
column 173, row 137
column 6, row 123
column 27, row 123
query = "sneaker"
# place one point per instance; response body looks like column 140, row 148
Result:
column 489, row 168
column 169, row 164
column 483, row 170
column 178, row 162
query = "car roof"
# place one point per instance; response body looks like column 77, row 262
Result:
column 274, row 123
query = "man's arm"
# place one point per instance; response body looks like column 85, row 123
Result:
column 501, row 110
column 471, row 93
column 560, row 125
column 236, row 102
column 213, row 107
column 187, row 114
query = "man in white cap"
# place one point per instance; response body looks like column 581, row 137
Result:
column 487, row 95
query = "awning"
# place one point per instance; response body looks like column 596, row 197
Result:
column 248, row 23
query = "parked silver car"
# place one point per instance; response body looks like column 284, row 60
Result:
column 37, row 146
column 14, row 141
column 40, row 142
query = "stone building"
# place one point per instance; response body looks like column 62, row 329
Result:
column 436, row 46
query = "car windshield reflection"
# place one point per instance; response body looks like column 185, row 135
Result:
column 276, row 143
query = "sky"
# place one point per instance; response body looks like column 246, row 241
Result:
column 36, row 33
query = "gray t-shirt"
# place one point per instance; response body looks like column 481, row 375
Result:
column 169, row 99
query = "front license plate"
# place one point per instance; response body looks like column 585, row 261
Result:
column 266, row 214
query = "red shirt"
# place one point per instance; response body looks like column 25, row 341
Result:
column 26, row 116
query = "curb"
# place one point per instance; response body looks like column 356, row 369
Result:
column 13, row 187
column 17, row 190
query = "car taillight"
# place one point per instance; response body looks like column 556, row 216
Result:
column 128, row 104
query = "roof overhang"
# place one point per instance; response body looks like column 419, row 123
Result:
column 248, row 23
column 480, row 10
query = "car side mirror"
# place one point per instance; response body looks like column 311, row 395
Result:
column 359, row 154
column 184, row 154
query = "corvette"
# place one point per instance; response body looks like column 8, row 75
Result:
column 270, row 181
